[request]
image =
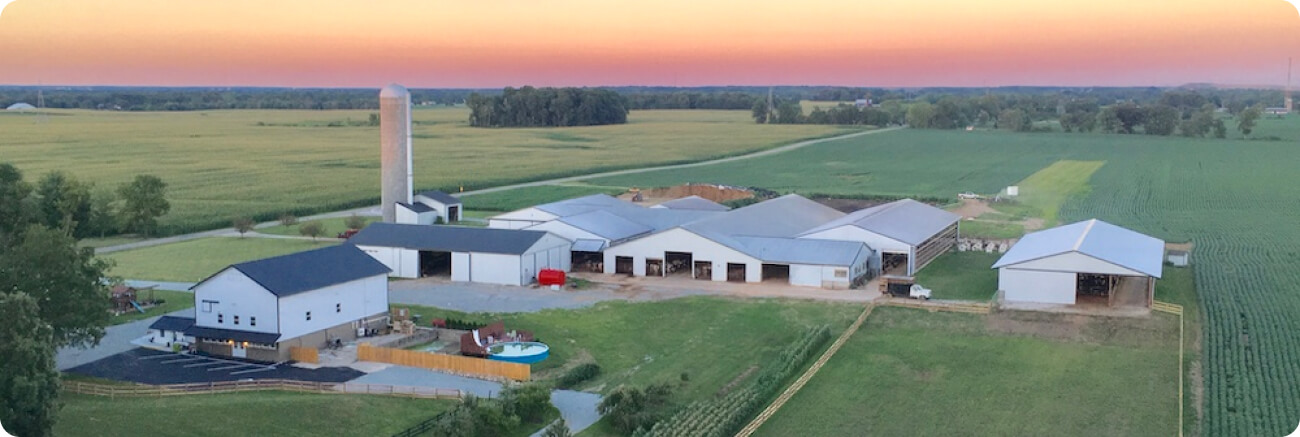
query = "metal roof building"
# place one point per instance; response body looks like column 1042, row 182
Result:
column 908, row 234
column 1089, row 262
column 496, row 256
column 693, row 202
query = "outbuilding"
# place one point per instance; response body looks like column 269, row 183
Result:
column 461, row 253
column 1090, row 262
column 906, row 234
column 168, row 332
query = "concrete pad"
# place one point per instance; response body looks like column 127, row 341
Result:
column 369, row 366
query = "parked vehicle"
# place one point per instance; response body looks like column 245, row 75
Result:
column 969, row 195
column 347, row 234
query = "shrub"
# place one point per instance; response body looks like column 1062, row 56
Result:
column 577, row 375
column 354, row 222
column 528, row 401
column 630, row 408
column 288, row 220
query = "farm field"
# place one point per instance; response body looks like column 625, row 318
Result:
column 1043, row 193
column 263, row 163
column 1235, row 199
column 912, row 372
column 249, row 413
column 996, row 230
column 711, row 340
column 961, row 276
column 191, row 261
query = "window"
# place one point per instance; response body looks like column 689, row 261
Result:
column 236, row 320
column 338, row 307
column 219, row 318
column 309, row 316
column 252, row 321
column 207, row 305
column 841, row 273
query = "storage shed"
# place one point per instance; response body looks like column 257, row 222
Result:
column 468, row 254
column 1090, row 262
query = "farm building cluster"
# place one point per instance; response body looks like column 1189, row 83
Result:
column 789, row 238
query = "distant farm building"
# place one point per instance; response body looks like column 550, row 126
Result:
column 1178, row 258
column 20, row 107
column 492, row 256
column 428, row 207
column 1090, row 262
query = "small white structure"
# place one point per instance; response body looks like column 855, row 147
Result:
column 168, row 332
column 1178, row 258
column 259, row 309
column 468, row 254
column 428, row 207
column 1013, row 191
column 1090, row 261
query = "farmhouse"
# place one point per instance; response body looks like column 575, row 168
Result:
column 259, row 309
column 493, row 256
column 1089, row 262
column 906, row 234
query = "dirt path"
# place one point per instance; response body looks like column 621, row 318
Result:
column 374, row 210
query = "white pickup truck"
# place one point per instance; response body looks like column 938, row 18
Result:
column 969, row 195
column 919, row 292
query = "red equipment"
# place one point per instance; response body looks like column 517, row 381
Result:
column 550, row 277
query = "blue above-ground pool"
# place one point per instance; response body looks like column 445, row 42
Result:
column 519, row 352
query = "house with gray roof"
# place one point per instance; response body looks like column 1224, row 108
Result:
column 1086, row 263
column 427, row 207
column 260, row 309
column 907, row 234
column 462, row 253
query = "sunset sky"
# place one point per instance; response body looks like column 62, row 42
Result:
column 495, row 43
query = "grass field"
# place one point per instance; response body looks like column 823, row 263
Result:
column 961, row 276
column 991, row 230
column 1235, row 199
column 263, row 163
column 174, row 300
column 332, row 226
column 193, row 260
column 252, row 413
column 1043, row 193
column 711, row 340
column 504, row 201
column 911, row 372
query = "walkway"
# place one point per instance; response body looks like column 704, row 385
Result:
column 374, row 210
column 577, row 408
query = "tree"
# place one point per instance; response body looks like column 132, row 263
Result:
column 14, row 194
column 1247, row 118
column 143, row 201
column 312, row 229
column 1015, row 120
column 354, row 222
column 920, row 115
column 29, row 382
column 66, row 281
column 1161, row 120
column 102, row 220
column 242, row 225
column 64, row 203
column 528, row 401
column 631, row 408
column 1108, row 120
column 789, row 112
column 288, row 220
column 557, row 429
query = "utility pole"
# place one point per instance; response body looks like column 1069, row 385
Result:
column 768, row 119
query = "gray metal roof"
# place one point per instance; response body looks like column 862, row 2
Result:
column 1095, row 238
column 416, row 207
column 287, row 275
column 904, row 220
column 586, row 245
column 662, row 218
column 802, row 251
column 785, row 216
column 444, row 198
column 579, row 205
column 232, row 334
column 447, row 238
column 607, row 225
column 693, row 202
column 172, row 323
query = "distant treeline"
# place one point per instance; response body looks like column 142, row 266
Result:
column 539, row 107
column 195, row 99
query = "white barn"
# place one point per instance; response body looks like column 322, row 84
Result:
column 906, row 234
column 259, row 309
column 429, row 206
column 1089, row 262
column 467, row 254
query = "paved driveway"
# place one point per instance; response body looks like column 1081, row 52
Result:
column 155, row 367
column 117, row 339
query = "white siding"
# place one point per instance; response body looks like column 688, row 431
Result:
column 878, row 242
column 805, row 275
column 460, row 266
column 520, row 219
column 493, row 268
column 232, row 294
column 1075, row 262
column 1036, row 286
column 405, row 263
column 354, row 299
column 566, row 231
column 681, row 240
column 406, row 216
column 440, row 209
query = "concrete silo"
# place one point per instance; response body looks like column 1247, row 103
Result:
column 395, row 144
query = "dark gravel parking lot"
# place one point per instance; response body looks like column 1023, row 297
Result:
column 154, row 367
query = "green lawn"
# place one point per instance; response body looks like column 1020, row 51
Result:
column 174, row 300
column 991, row 230
column 961, row 276
column 1043, row 193
column 333, row 226
column 503, row 201
column 108, row 241
column 253, row 413
column 191, row 261
column 712, row 340
column 915, row 373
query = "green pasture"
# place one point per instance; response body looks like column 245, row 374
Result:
column 961, row 276
column 191, row 261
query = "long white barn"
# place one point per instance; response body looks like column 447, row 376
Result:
column 492, row 256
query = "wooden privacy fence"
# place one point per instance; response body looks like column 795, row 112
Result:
column 452, row 363
column 113, row 391
column 304, row 354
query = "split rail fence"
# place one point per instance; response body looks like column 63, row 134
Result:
column 143, row 390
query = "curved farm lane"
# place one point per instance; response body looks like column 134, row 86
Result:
column 374, row 210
